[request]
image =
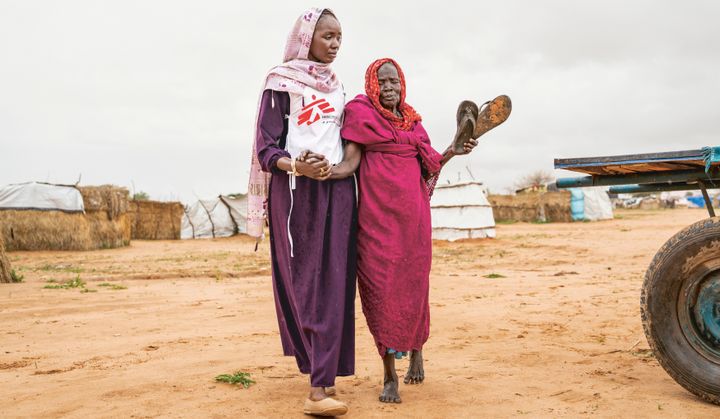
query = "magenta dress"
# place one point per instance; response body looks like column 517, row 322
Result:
column 394, row 228
column 315, row 288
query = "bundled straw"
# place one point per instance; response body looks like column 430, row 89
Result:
column 153, row 220
column 55, row 230
column 107, row 198
column 532, row 207
column 104, row 225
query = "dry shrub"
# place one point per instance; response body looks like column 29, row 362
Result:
column 153, row 220
column 532, row 207
column 4, row 264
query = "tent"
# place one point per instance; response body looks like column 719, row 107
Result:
column 219, row 217
column 41, row 196
column 461, row 211
column 590, row 204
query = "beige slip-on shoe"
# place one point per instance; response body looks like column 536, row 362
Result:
column 325, row 407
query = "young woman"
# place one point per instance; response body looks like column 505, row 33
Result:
column 312, row 219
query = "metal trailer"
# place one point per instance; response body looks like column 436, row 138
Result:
column 680, row 301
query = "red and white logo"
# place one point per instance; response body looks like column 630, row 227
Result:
column 310, row 113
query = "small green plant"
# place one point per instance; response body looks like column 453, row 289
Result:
column 73, row 283
column 16, row 277
column 112, row 286
column 493, row 276
column 140, row 196
column 242, row 378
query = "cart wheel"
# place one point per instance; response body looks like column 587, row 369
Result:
column 680, row 307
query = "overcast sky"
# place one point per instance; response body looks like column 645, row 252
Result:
column 162, row 93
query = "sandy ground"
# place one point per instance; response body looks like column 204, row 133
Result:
column 557, row 334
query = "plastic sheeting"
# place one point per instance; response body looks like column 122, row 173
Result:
column 461, row 211
column 41, row 196
column 577, row 204
column 219, row 217
column 597, row 204
column 238, row 211
column 590, row 204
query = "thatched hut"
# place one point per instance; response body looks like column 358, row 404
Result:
column 154, row 220
column 37, row 216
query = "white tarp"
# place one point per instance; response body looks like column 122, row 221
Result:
column 461, row 211
column 41, row 196
column 218, row 217
column 222, row 222
column 597, row 204
column 238, row 211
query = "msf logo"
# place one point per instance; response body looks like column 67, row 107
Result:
column 311, row 112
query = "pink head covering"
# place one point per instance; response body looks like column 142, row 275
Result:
column 297, row 71
column 292, row 76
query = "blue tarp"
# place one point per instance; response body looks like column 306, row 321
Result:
column 697, row 200
column 577, row 204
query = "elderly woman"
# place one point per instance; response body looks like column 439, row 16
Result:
column 396, row 175
column 312, row 219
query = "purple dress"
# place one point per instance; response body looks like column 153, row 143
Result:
column 315, row 287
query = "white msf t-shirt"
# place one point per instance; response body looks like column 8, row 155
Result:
column 314, row 123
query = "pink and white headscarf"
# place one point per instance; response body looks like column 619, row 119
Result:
column 292, row 76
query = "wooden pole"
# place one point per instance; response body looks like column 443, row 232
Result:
column 4, row 264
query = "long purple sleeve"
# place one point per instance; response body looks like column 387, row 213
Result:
column 272, row 129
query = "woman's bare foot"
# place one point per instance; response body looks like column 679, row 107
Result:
column 416, row 373
column 390, row 393
column 317, row 394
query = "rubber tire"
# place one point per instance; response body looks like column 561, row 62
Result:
column 696, row 245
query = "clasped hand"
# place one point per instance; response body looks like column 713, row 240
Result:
column 313, row 165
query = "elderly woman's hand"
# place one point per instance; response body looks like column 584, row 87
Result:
column 468, row 146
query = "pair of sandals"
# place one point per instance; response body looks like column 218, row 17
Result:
column 474, row 121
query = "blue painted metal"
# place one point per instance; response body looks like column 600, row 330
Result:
column 626, row 162
column 712, row 178
column 659, row 187
column 707, row 312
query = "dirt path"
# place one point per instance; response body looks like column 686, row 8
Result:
column 555, row 332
